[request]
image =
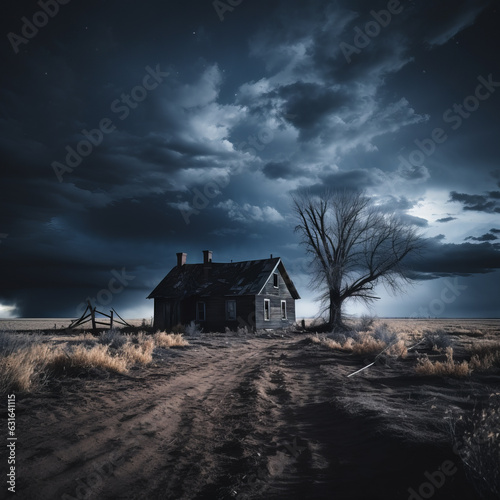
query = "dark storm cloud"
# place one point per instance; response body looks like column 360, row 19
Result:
column 449, row 259
column 414, row 221
column 282, row 170
column 308, row 104
column 446, row 219
column 476, row 202
column 353, row 180
column 252, row 109
column 484, row 237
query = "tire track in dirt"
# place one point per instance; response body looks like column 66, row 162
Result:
column 245, row 418
column 159, row 429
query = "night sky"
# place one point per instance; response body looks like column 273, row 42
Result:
column 131, row 130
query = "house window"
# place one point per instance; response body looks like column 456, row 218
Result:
column 267, row 309
column 275, row 280
column 230, row 309
column 200, row 311
column 283, row 309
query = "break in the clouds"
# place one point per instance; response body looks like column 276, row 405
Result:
column 128, row 134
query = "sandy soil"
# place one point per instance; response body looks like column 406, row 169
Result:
column 246, row 417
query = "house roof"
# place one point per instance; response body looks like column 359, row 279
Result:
column 222, row 279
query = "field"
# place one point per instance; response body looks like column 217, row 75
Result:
column 270, row 415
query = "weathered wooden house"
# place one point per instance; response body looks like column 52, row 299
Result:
column 258, row 294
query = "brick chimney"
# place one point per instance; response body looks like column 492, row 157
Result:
column 181, row 259
column 207, row 256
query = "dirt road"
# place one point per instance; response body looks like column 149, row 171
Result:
column 227, row 417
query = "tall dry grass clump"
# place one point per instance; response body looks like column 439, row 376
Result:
column 448, row 368
column 25, row 369
column 80, row 360
column 140, row 353
column 485, row 356
column 372, row 341
column 29, row 362
column 164, row 339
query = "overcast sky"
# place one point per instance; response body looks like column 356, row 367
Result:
column 131, row 130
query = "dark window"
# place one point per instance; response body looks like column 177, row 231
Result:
column 200, row 311
column 275, row 280
column 283, row 309
column 267, row 309
column 230, row 309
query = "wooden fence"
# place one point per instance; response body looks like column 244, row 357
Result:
column 89, row 315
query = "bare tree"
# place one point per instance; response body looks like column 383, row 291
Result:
column 354, row 247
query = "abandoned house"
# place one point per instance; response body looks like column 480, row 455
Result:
column 257, row 294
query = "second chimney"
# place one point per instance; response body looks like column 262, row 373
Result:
column 207, row 256
column 181, row 259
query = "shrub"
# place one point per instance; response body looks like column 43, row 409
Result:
column 178, row 328
column 438, row 340
column 478, row 445
column 365, row 322
column 383, row 334
column 192, row 329
column 450, row 368
column 113, row 338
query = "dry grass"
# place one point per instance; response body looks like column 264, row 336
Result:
column 448, row 368
column 24, row 369
column 164, row 339
column 28, row 362
column 81, row 359
column 477, row 441
column 485, row 356
column 374, row 340
column 140, row 353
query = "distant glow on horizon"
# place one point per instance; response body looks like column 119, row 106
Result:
column 7, row 312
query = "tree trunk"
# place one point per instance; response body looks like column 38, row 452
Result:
column 336, row 311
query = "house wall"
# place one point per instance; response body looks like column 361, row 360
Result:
column 215, row 308
column 167, row 313
column 275, row 295
column 275, row 320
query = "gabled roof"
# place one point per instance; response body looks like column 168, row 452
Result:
column 235, row 278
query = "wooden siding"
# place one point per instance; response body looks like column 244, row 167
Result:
column 275, row 295
column 281, row 291
column 275, row 320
